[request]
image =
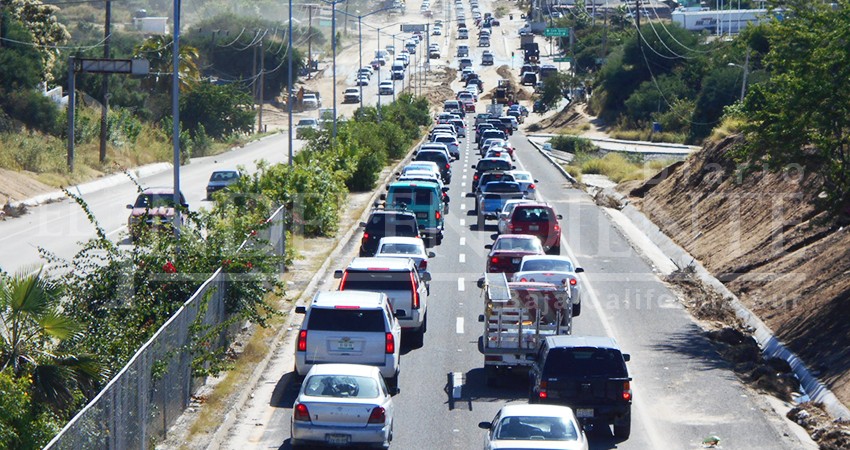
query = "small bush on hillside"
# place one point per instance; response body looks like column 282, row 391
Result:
column 572, row 144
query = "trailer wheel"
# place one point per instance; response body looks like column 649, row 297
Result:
column 491, row 376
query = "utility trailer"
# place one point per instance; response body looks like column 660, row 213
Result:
column 517, row 317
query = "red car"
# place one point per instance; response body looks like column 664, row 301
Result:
column 507, row 252
column 469, row 106
column 539, row 220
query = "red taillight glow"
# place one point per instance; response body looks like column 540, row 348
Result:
column 378, row 415
column 494, row 259
column 365, row 236
column 437, row 215
column 531, row 186
column 627, row 391
column 557, row 228
column 542, row 390
column 414, row 293
column 302, row 341
column 423, row 265
column 389, row 344
column 346, row 307
column 573, row 282
column 475, row 177
column 523, row 279
column 342, row 281
column 448, row 166
column 301, row 413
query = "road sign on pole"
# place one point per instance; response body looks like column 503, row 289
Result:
column 556, row 32
column 413, row 27
column 563, row 59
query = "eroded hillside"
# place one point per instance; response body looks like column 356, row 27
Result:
column 761, row 235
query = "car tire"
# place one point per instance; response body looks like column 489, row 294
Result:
column 392, row 382
column 623, row 427
column 480, row 221
column 554, row 250
column 576, row 309
column 491, row 376
column 417, row 337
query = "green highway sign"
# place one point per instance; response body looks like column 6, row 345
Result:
column 556, row 32
column 563, row 59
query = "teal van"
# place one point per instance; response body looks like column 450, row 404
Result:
column 426, row 199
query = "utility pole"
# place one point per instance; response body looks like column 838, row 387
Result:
column 637, row 23
column 104, row 106
column 309, row 40
column 262, row 81
column 175, row 113
column 254, row 72
column 289, row 99
column 746, row 71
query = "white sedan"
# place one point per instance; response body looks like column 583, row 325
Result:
column 558, row 270
column 526, row 182
column 405, row 247
column 534, row 426
column 342, row 404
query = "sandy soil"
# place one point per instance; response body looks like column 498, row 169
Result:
column 761, row 235
column 17, row 186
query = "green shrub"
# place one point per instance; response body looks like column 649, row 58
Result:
column 572, row 144
column 366, row 173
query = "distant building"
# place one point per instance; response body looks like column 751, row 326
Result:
column 720, row 22
column 151, row 25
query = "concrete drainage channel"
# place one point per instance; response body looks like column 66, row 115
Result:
column 770, row 346
column 280, row 338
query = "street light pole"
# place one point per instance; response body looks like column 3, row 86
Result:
column 175, row 114
column 746, row 71
column 360, row 39
column 289, row 80
column 379, row 77
column 333, row 46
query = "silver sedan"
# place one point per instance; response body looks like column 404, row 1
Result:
column 343, row 404
column 534, row 426
column 558, row 270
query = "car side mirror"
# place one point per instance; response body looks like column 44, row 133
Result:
column 432, row 255
column 363, row 224
column 337, row 274
column 579, row 270
column 536, row 181
column 129, row 206
column 480, row 283
column 627, row 357
column 513, row 167
column 484, row 425
column 559, row 217
column 445, row 189
column 481, row 318
column 426, row 276
column 489, row 246
column 473, row 166
column 300, row 309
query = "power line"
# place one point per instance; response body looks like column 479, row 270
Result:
column 58, row 47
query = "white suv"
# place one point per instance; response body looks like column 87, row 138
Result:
column 399, row 279
column 350, row 327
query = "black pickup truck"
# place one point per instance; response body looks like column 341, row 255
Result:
column 588, row 374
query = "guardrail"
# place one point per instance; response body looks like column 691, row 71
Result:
column 147, row 396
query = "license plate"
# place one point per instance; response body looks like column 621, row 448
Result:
column 421, row 215
column 533, row 228
column 338, row 439
column 584, row 412
column 345, row 345
column 516, row 260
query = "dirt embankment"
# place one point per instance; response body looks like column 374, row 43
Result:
column 761, row 235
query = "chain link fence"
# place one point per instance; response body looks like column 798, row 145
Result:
column 146, row 397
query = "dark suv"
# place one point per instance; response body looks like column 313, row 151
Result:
column 442, row 162
column 588, row 374
column 386, row 222
column 486, row 165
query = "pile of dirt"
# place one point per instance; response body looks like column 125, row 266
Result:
column 761, row 235
column 829, row 434
column 733, row 341
column 565, row 118
column 516, row 92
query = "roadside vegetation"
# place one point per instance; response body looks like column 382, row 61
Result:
column 617, row 167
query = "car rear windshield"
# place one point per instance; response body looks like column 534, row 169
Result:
column 493, row 164
column 531, row 214
column 411, row 196
column 326, row 319
column 547, row 265
column 392, row 224
column 377, row 280
column 154, row 201
column 498, row 186
column 585, row 362
column 436, row 157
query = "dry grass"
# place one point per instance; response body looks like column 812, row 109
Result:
column 618, row 168
column 647, row 135
column 729, row 126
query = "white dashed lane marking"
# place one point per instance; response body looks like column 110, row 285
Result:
column 461, row 258
column 460, row 286
column 459, row 325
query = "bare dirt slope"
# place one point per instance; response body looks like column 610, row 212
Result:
column 17, row 186
column 761, row 235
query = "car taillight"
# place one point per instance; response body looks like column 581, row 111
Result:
column 627, row 391
column 523, row 279
column 414, row 293
column 541, row 391
column 423, row 265
column 365, row 236
column 557, row 228
column 494, row 259
column 475, row 177
column 378, row 415
column 437, row 215
column 573, row 282
column 531, row 186
column 302, row 414
column 389, row 344
column 342, row 281
column 302, row 341
column 448, row 166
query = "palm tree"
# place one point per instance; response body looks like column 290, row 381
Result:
column 33, row 329
column 158, row 51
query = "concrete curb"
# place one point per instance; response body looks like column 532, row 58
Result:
column 620, row 141
column 553, row 162
column 770, row 345
column 308, row 291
